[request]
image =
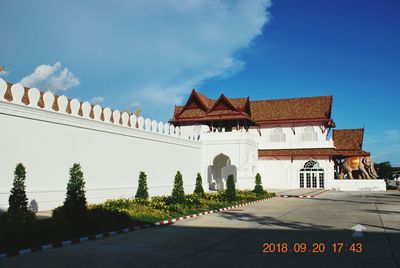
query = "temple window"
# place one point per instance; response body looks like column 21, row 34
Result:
column 308, row 134
column 277, row 135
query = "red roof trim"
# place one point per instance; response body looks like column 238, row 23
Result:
column 311, row 120
column 215, row 118
column 310, row 152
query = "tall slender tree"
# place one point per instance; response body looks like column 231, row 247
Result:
column 18, row 212
column 178, row 193
column 75, row 202
column 230, row 193
column 258, row 189
column 198, row 190
column 18, row 202
column 142, row 191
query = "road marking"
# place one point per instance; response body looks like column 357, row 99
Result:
column 358, row 230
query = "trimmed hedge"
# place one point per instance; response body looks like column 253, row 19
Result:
column 230, row 189
column 178, row 194
column 75, row 204
column 258, row 189
column 142, row 191
column 198, row 190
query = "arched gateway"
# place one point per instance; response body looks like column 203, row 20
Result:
column 220, row 170
column 311, row 175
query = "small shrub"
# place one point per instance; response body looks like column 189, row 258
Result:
column 18, row 212
column 258, row 189
column 198, row 190
column 142, row 191
column 246, row 195
column 219, row 196
column 192, row 201
column 230, row 193
column 178, row 194
column 159, row 202
column 136, row 209
column 176, row 208
column 75, row 204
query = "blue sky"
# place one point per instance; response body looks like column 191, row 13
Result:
column 150, row 54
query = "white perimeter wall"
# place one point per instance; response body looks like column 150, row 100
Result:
column 357, row 185
column 111, row 155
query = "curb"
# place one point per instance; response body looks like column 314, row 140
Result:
column 170, row 221
column 121, row 231
column 301, row 196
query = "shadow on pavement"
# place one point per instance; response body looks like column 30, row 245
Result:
column 183, row 246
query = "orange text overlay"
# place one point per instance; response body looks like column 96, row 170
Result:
column 302, row 247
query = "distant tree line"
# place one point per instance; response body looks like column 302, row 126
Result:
column 385, row 169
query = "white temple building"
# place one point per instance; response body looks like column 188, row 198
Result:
column 286, row 140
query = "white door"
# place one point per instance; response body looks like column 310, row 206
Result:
column 311, row 175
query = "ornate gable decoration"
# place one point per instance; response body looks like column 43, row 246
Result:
column 223, row 104
column 194, row 102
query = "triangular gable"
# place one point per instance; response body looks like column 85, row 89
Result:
column 194, row 102
column 223, row 103
column 247, row 108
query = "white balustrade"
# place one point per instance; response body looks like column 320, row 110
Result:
column 3, row 89
column 141, row 122
column 107, row 115
column 97, row 112
column 17, row 91
column 133, row 119
column 34, row 96
column 62, row 103
column 75, row 105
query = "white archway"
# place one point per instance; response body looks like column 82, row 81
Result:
column 219, row 172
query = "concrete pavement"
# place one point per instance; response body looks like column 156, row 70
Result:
column 235, row 238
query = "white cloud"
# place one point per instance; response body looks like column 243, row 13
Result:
column 96, row 100
column 393, row 134
column 153, row 52
column 53, row 78
column 190, row 42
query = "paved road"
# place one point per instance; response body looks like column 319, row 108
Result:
column 235, row 238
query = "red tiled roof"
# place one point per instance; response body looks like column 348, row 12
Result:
column 311, row 109
column 348, row 139
column 291, row 109
column 311, row 152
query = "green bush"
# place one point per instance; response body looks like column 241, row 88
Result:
column 192, row 201
column 75, row 204
column 178, row 194
column 18, row 213
column 136, row 209
column 198, row 190
column 258, row 189
column 230, row 193
column 219, row 196
column 212, row 204
column 246, row 195
column 142, row 191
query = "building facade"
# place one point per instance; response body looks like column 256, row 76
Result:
column 295, row 149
